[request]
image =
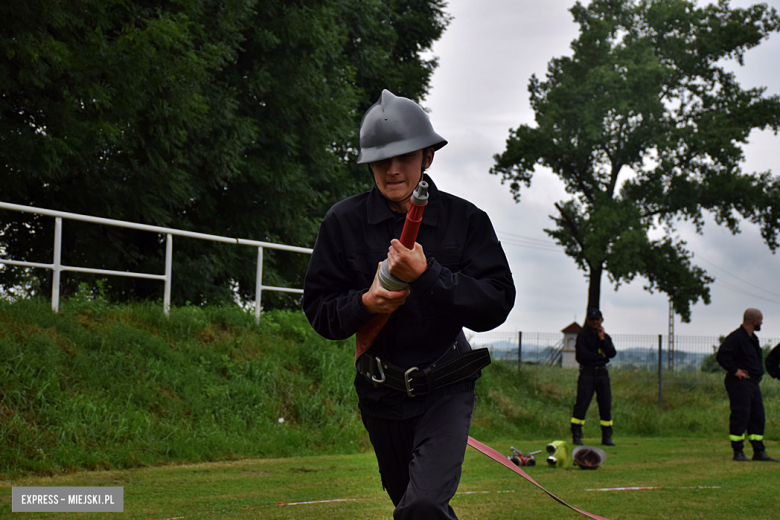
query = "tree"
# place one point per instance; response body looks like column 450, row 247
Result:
column 645, row 127
column 234, row 118
column 113, row 109
column 305, row 76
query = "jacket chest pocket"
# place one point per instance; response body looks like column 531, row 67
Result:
column 363, row 266
column 448, row 256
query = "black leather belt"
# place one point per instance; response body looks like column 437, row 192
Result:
column 593, row 370
column 415, row 382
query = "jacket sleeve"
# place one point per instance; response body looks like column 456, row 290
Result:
column 480, row 294
column 772, row 362
column 725, row 355
column 332, row 305
column 607, row 347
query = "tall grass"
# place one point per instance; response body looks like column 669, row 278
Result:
column 538, row 401
column 102, row 386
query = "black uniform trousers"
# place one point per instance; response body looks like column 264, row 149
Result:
column 420, row 458
column 747, row 413
column 593, row 379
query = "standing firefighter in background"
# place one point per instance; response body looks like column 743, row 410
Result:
column 594, row 349
column 740, row 355
column 415, row 384
column 772, row 362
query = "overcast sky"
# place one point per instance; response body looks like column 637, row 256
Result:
column 479, row 91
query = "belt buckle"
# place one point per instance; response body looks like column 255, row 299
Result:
column 381, row 373
column 408, row 380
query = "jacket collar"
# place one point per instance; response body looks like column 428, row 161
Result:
column 752, row 337
column 378, row 210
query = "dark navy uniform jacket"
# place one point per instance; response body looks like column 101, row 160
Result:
column 589, row 347
column 772, row 362
column 467, row 284
column 741, row 350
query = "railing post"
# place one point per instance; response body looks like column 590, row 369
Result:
column 168, row 271
column 519, row 351
column 56, row 265
column 259, row 285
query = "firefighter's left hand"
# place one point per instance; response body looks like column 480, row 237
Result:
column 600, row 332
column 406, row 264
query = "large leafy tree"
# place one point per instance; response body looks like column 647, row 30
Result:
column 306, row 86
column 235, row 118
column 113, row 109
column 645, row 127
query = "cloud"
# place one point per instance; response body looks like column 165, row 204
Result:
column 479, row 92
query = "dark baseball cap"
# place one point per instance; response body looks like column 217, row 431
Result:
column 594, row 313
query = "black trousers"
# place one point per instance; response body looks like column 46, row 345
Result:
column 590, row 381
column 747, row 413
column 420, row 459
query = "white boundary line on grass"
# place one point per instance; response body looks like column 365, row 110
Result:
column 284, row 504
column 318, row 502
column 356, row 499
column 483, row 492
column 647, row 488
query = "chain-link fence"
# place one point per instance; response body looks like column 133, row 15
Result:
column 634, row 351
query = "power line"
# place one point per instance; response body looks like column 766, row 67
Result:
column 776, row 295
column 524, row 237
column 514, row 239
column 531, row 246
column 733, row 288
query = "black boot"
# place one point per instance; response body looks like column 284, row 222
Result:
column 739, row 456
column 606, row 436
column 761, row 455
column 576, row 433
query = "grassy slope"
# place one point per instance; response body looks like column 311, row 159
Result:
column 100, row 387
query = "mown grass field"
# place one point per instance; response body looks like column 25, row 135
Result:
column 696, row 480
column 183, row 412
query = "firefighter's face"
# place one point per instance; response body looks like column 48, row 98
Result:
column 757, row 322
column 398, row 176
column 595, row 323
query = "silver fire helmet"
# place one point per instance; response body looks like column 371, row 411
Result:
column 394, row 126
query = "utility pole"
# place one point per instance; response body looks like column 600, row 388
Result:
column 660, row 372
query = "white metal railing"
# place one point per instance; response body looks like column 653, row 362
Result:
column 57, row 267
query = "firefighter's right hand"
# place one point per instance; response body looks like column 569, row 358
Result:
column 378, row 300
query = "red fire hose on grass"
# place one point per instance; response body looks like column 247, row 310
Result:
column 501, row 459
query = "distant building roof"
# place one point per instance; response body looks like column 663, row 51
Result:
column 573, row 328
